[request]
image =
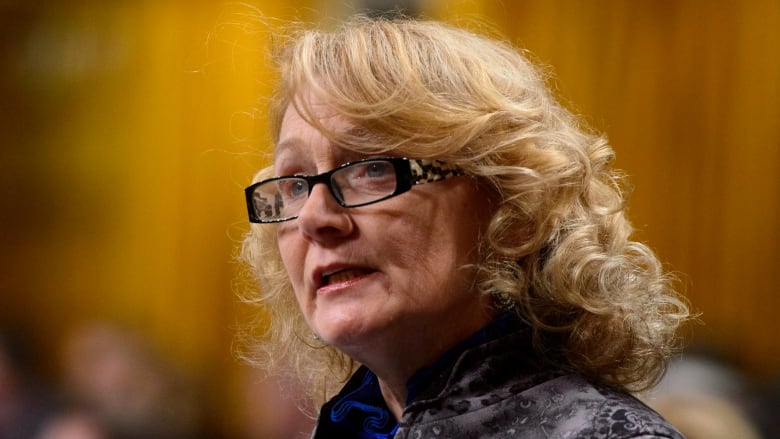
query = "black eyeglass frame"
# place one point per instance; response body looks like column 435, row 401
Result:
column 408, row 173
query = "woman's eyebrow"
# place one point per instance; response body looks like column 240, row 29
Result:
column 354, row 131
column 287, row 144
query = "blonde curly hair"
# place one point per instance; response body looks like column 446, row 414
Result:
column 558, row 245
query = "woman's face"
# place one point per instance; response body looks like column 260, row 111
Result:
column 383, row 274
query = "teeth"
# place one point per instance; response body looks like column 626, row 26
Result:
column 342, row 276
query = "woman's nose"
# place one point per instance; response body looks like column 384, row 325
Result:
column 322, row 218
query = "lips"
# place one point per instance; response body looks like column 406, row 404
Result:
column 335, row 277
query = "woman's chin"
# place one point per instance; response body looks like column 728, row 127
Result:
column 345, row 334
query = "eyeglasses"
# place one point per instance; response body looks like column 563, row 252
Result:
column 352, row 184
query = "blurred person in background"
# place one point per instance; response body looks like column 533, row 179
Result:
column 443, row 248
column 765, row 413
column 706, row 397
column 73, row 424
column 115, row 376
column 24, row 403
column 273, row 408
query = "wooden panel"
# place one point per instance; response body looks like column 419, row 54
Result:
column 129, row 130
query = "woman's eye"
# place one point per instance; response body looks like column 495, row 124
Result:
column 294, row 188
column 299, row 188
column 377, row 170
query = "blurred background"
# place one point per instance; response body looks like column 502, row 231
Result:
column 128, row 130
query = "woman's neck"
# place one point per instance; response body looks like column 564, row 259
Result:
column 395, row 362
column 395, row 397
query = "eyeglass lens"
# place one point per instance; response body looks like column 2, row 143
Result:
column 352, row 185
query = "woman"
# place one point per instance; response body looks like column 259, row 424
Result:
column 440, row 238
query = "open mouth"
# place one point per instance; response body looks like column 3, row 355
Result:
column 343, row 275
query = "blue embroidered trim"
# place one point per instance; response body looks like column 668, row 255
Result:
column 375, row 419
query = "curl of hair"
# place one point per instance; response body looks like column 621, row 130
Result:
column 558, row 243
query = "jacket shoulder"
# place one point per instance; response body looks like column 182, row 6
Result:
column 566, row 406
column 590, row 410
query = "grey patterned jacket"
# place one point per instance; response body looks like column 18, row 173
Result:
column 497, row 389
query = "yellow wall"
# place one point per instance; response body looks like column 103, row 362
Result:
column 127, row 137
column 129, row 131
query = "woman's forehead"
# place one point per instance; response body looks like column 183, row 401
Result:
column 320, row 121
